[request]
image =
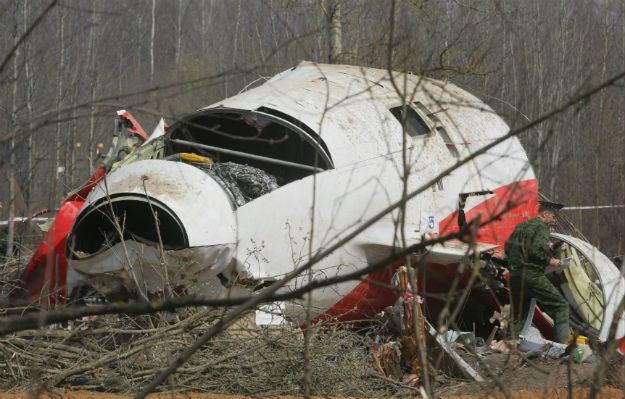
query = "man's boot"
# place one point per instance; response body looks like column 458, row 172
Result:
column 561, row 332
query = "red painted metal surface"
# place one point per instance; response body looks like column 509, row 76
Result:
column 371, row 296
column 44, row 280
column 519, row 198
column 136, row 127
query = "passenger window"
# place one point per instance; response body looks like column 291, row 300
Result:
column 415, row 125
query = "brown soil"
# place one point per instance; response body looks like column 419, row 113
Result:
column 547, row 373
column 561, row 393
column 577, row 393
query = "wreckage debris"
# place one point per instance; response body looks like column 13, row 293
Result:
column 245, row 182
column 534, row 345
column 198, row 257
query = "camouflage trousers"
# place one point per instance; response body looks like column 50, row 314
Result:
column 527, row 284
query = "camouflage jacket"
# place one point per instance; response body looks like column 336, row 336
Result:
column 527, row 246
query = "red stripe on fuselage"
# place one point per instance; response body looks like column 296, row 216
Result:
column 370, row 297
column 521, row 200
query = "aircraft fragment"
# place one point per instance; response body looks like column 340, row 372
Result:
column 225, row 198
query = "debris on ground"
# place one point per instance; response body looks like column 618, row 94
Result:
column 502, row 346
column 534, row 345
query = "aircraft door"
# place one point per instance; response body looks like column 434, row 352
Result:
column 424, row 155
column 592, row 284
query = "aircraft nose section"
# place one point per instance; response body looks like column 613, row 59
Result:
column 153, row 226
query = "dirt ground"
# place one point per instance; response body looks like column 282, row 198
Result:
column 544, row 379
column 516, row 372
column 577, row 393
column 522, row 378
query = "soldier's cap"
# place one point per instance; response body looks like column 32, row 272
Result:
column 549, row 206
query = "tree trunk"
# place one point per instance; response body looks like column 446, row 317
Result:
column 235, row 46
column 59, row 94
column 152, row 34
column 12, row 160
column 179, row 33
column 335, row 31
column 92, row 83
column 72, row 144
column 30, row 163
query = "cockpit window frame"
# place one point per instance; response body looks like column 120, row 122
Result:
column 421, row 117
column 316, row 142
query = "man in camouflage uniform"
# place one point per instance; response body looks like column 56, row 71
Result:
column 528, row 255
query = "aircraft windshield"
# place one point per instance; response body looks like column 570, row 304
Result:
column 258, row 139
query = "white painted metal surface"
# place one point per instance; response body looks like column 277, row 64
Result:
column 204, row 210
column 134, row 267
column 348, row 107
column 194, row 197
column 158, row 131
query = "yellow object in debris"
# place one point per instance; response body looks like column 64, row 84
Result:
column 581, row 340
column 190, row 157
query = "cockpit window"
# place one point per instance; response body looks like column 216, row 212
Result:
column 414, row 124
column 278, row 147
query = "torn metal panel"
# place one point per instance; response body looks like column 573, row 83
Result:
column 135, row 269
column 455, row 251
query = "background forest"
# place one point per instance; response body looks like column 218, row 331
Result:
column 68, row 65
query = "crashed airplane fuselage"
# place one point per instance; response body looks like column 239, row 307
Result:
column 243, row 191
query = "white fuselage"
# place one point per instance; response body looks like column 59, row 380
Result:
column 375, row 162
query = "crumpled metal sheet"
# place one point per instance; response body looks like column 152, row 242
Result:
column 244, row 182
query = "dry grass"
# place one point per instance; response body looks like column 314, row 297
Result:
column 122, row 354
column 11, row 267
